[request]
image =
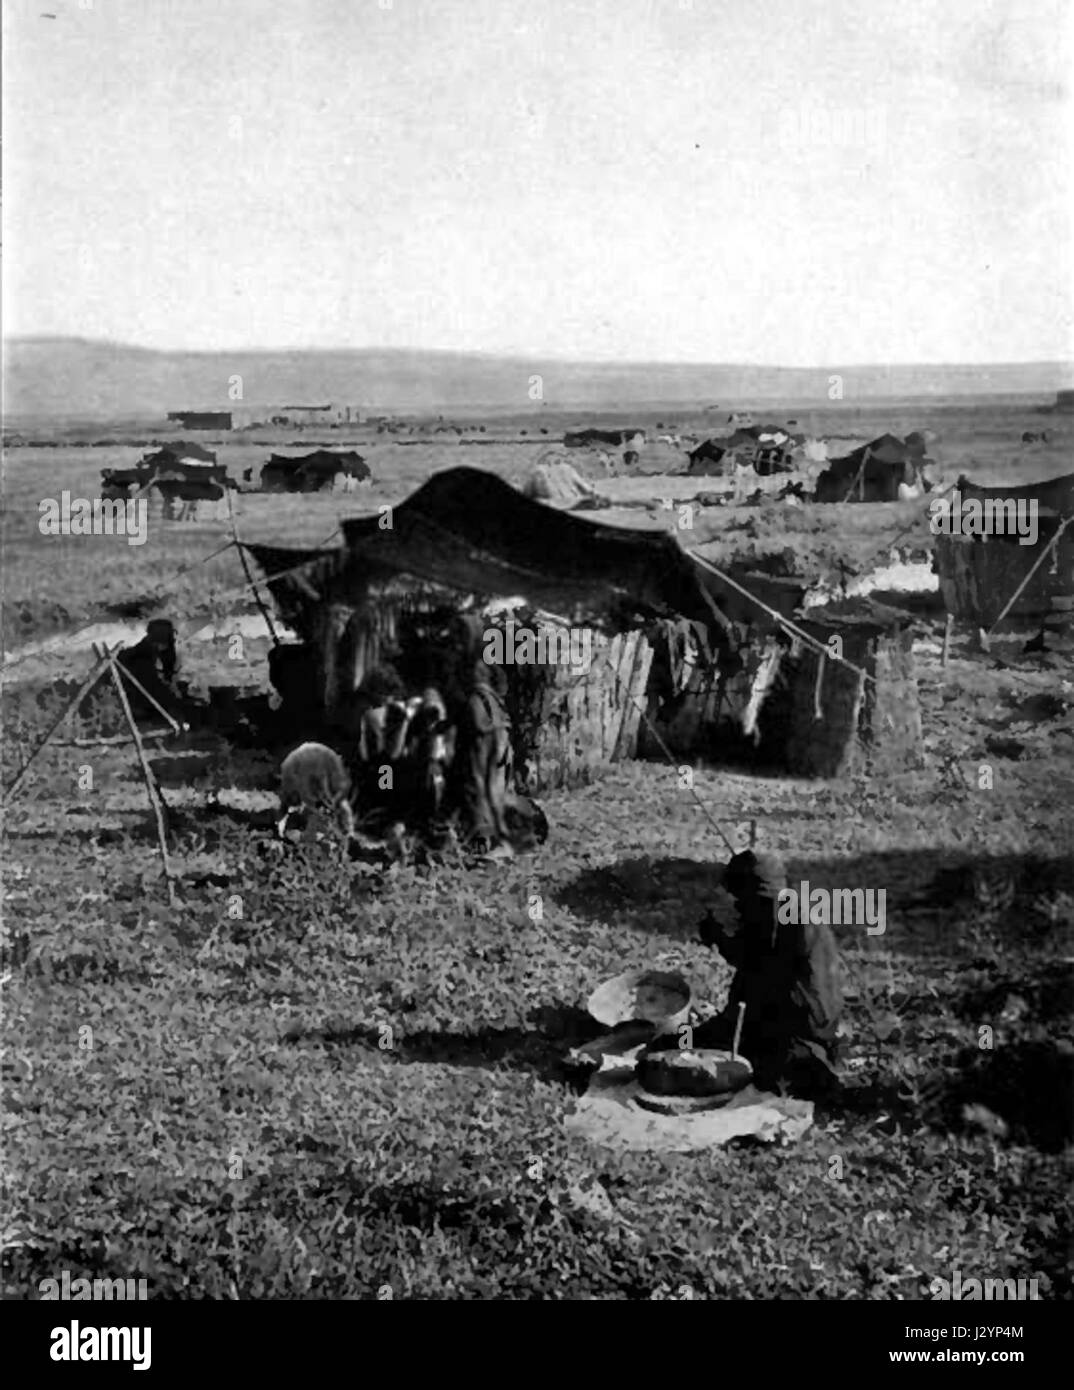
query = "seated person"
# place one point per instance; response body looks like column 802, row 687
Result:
column 788, row 977
column 153, row 662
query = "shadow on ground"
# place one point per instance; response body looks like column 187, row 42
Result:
column 539, row 1050
column 928, row 895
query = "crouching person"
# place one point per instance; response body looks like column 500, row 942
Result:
column 154, row 663
column 313, row 778
column 788, row 978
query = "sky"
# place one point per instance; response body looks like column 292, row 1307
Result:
column 792, row 183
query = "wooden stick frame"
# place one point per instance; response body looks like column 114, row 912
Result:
column 106, row 662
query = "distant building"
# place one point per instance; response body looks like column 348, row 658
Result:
column 295, row 416
column 202, row 419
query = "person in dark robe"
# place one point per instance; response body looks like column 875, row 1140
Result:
column 153, row 662
column 484, row 758
column 787, row 974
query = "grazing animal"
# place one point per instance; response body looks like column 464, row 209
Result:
column 313, row 777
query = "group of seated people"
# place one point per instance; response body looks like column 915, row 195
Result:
column 430, row 758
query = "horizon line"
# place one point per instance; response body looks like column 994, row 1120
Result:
column 514, row 356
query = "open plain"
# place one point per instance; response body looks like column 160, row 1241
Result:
column 300, row 1082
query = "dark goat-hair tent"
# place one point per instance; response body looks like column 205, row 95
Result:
column 584, row 439
column 470, row 532
column 173, row 463
column 467, row 537
column 313, row 471
column 463, row 539
column 873, row 472
column 1054, row 496
column 713, row 456
column 1001, row 578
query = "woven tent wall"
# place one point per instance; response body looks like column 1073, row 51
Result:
column 839, row 722
column 978, row 577
column 786, row 706
column 569, row 723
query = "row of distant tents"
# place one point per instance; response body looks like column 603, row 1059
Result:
column 183, row 481
column 872, row 473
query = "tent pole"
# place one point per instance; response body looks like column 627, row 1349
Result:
column 147, row 774
column 1036, row 566
column 176, row 727
column 812, row 642
column 246, row 569
column 859, row 480
column 674, row 763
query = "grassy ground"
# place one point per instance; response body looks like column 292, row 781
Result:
column 303, row 1082
column 296, row 1084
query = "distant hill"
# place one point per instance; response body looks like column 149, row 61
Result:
column 73, row 377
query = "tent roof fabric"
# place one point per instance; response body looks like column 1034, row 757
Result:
column 165, row 467
column 469, row 531
column 886, row 449
column 1053, row 496
column 181, row 451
